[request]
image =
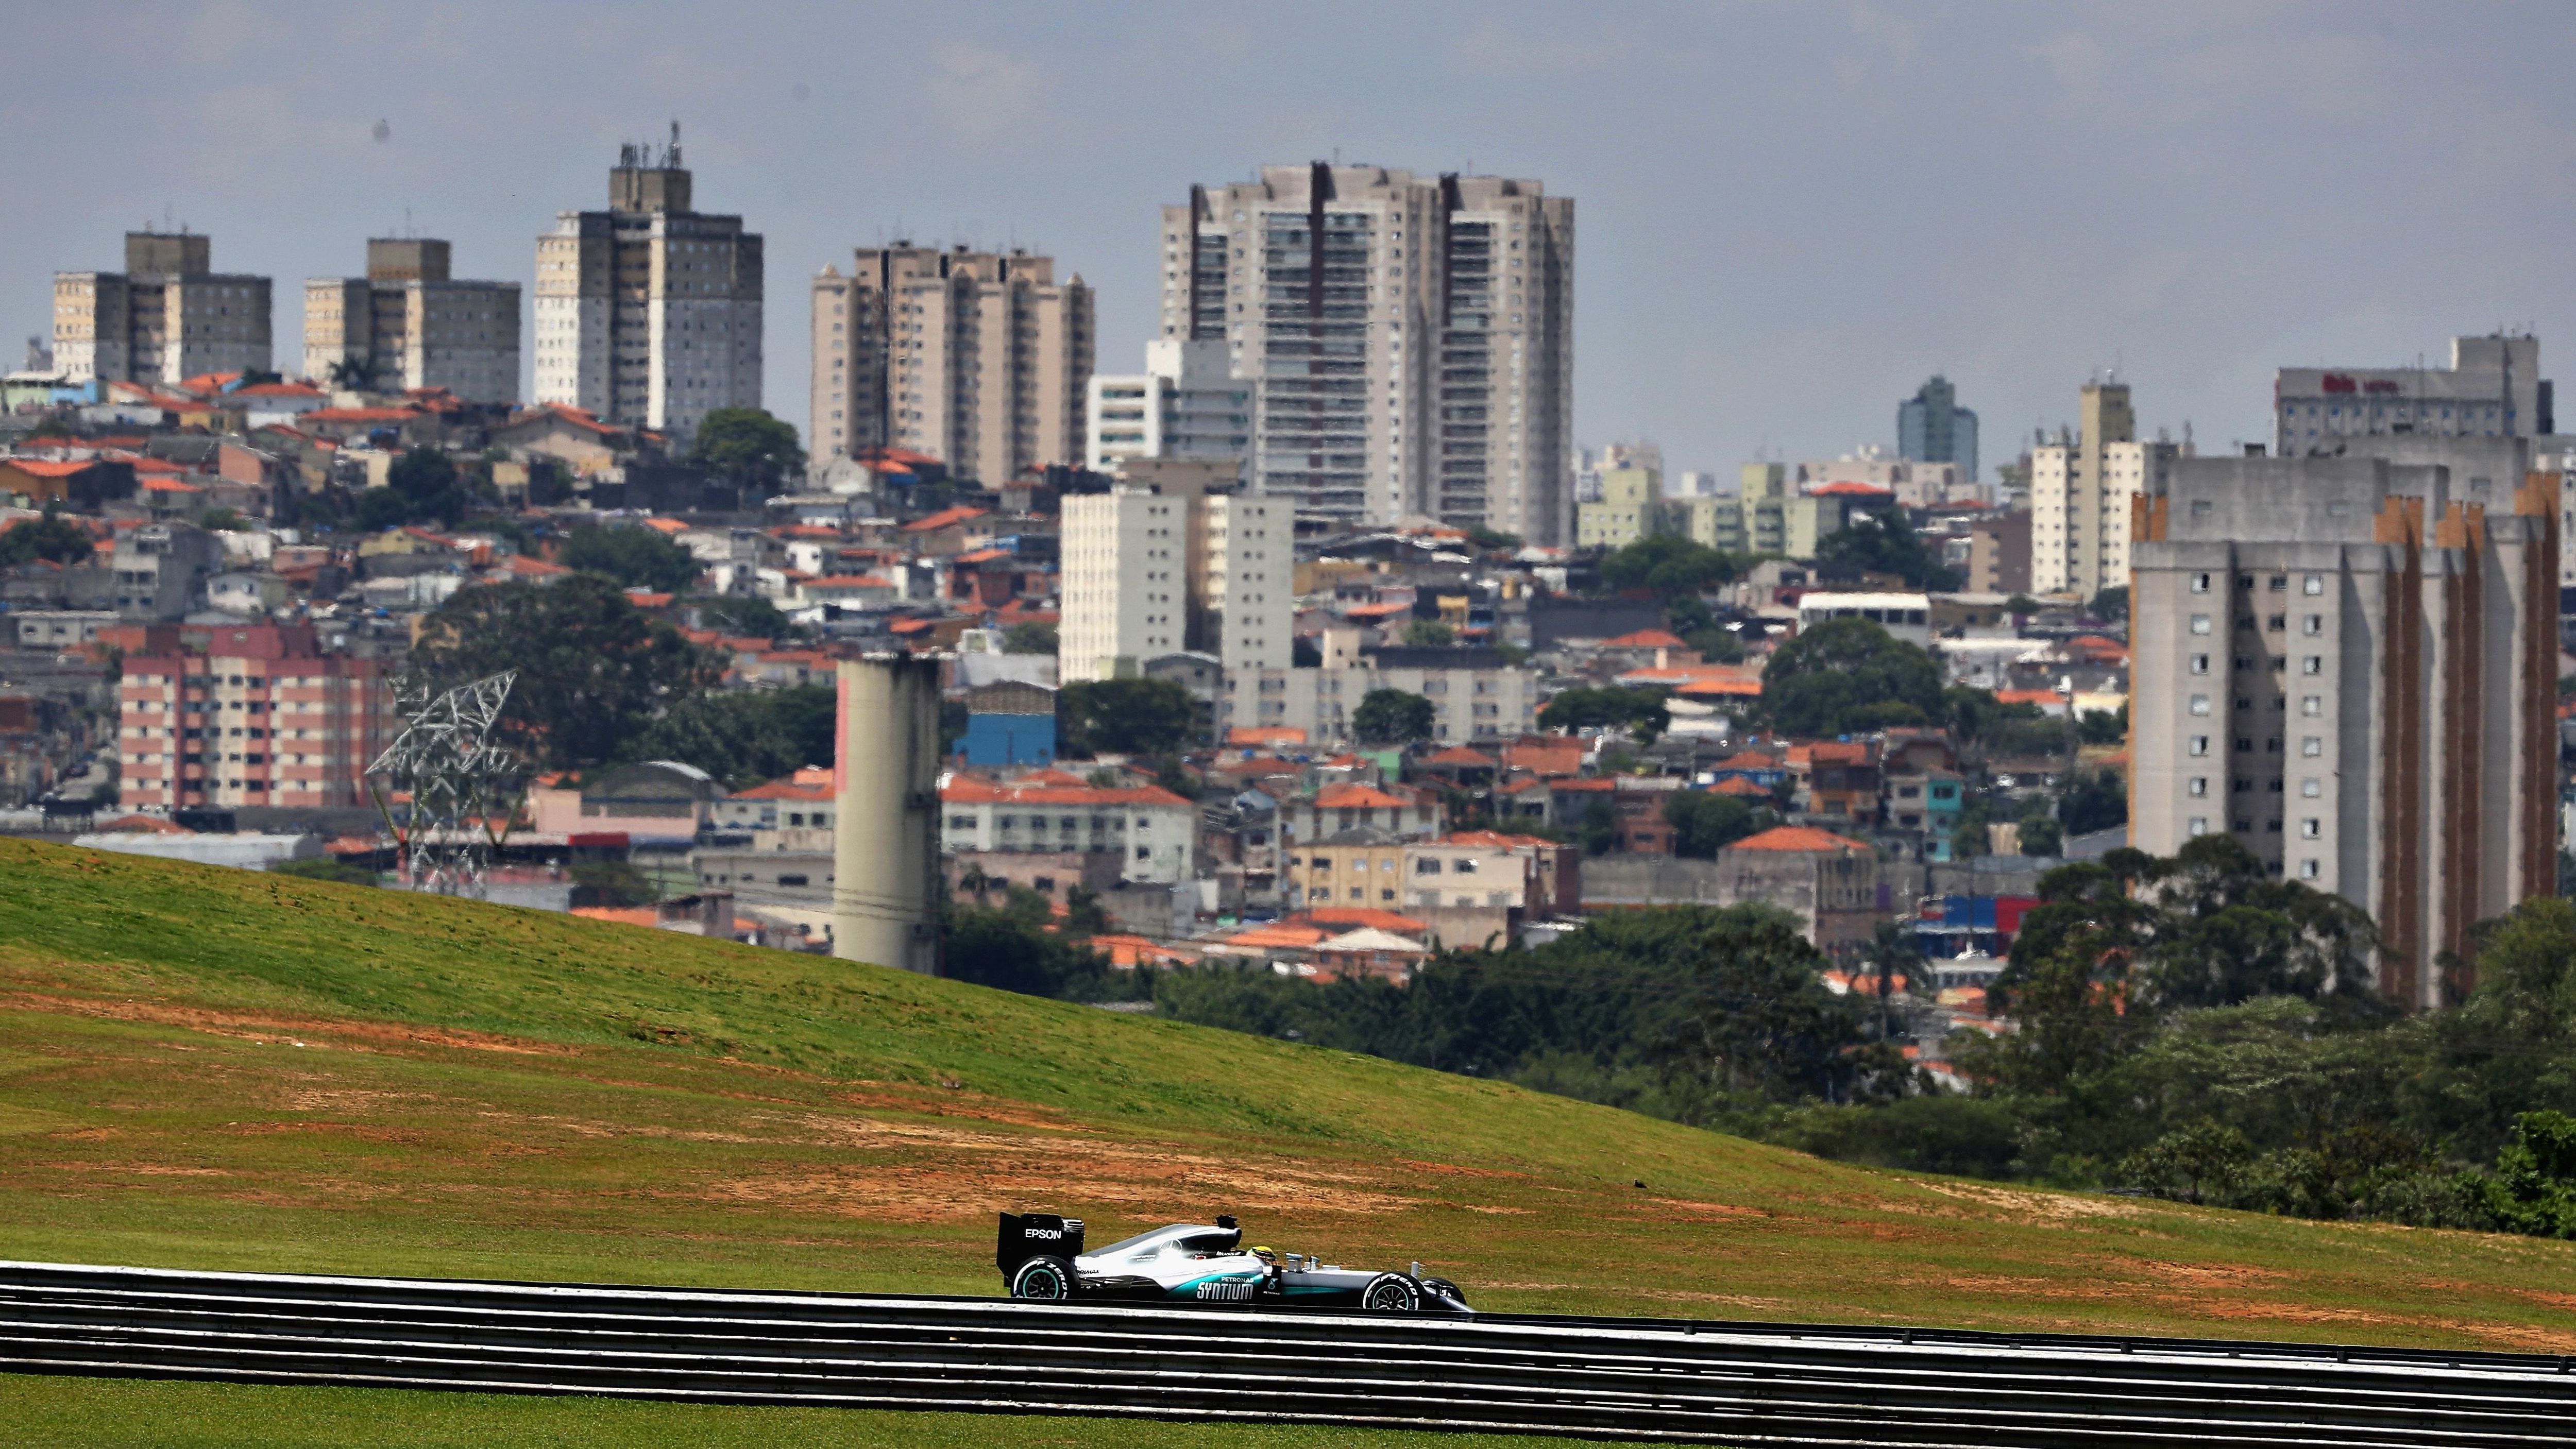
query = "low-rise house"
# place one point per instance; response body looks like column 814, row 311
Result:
column 1397, row 809
column 1829, row 882
column 1153, row 832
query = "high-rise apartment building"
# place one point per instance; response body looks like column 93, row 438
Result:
column 261, row 717
column 648, row 314
column 2350, row 664
column 2080, row 489
column 979, row 359
column 2493, row 388
column 1187, row 403
column 1166, row 561
column 1409, row 339
column 167, row 317
column 1931, row 427
column 408, row 324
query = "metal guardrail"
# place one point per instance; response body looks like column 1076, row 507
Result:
column 1661, row 1379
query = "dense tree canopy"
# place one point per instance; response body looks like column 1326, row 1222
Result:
column 1124, row 717
column 1883, row 542
column 1846, row 676
column 1705, row 821
column 593, row 669
column 425, row 480
column 634, row 558
column 753, row 450
column 1392, row 717
column 1030, row 638
column 747, row 616
column 1668, row 563
column 745, row 737
column 52, row 537
column 1637, row 710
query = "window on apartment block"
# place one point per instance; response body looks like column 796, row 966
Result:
column 2199, row 787
column 2200, row 623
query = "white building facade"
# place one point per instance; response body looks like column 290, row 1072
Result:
column 1408, row 339
column 1185, row 404
column 648, row 314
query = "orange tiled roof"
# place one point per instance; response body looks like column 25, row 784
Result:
column 1356, row 797
column 1344, row 918
column 974, row 790
column 1461, row 755
column 791, row 789
column 1645, row 639
column 1265, row 735
column 1801, row 838
column 942, row 519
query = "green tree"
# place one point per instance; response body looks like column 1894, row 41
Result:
column 425, row 480
column 51, row 537
column 1030, row 638
column 746, row 616
column 2023, row 604
column 1392, row 717
column 1494, row 540
column 616, row 884
column 1882, row 542
column 745, row 737
column 1705, row 821
column 1640, row 711
column 1668, row 563
column 1429, row 633
column 1011, row 948
column 1597, row 829
column 2095, row 801
column 223, row 520
column 2112, row 604
column 632, row 557
column 1760, row 1022
column 382, row 508
column 323, row 867
column 1847, row 676
column 2534, row 1189
column 752, row 450
column 1124, row 717
column 593, row 669
column 2510, row 1047
column 2103, row 727
column 2041, row 834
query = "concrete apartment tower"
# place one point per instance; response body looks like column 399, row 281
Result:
column 408, row 324
column 1931, row 427
column 979, row 359
column 1172, row 559
column 1409, row 339
column 648, row 313
column 2350, row 664
column 167, row 317
column 2492, row 389
column 2079, row 495
column 1187, row 403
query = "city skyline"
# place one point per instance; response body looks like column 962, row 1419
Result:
column 1748, row 287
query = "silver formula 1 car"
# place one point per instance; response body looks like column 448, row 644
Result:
column 1041, row 1257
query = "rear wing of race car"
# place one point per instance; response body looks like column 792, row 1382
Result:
column 1036, row 1235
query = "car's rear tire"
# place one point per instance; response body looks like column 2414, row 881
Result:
column 1043, row 1280
column 1390, row 1293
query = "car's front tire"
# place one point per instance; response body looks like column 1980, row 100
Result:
column 1043, row 1280
column 1390, row 1293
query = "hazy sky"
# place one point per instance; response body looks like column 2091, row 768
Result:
column 1787, row 214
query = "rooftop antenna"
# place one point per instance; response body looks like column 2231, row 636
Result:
column 671, row 159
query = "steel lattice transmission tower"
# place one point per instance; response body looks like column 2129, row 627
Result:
column 454, row 776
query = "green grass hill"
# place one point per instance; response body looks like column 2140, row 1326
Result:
column 221, row 1069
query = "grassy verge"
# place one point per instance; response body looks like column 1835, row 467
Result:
column 219, row 1069
column 66, row 1413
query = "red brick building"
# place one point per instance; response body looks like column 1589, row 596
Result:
column 262, row 717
